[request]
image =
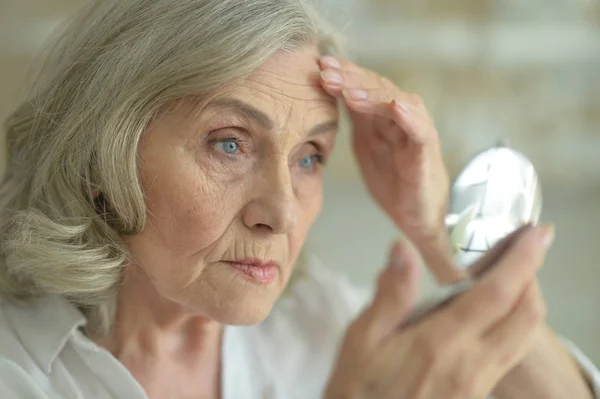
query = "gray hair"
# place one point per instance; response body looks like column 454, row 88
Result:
column 110, row 70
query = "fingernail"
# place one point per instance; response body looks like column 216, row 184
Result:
column 330, row 61
column 401, row 106
column 547, row 235
column 395, row 257
column 355, row 94
column 331, row 77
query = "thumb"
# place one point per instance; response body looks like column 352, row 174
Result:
column 396, row 290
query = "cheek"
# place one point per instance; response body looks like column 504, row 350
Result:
column 310, row 200
column 188, row 216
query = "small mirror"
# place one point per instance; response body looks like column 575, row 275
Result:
column 495, row 194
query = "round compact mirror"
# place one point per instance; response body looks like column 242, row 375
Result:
column 495, row 194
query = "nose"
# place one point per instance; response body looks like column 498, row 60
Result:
column 274, row 207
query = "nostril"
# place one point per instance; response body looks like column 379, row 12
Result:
column 263, row 227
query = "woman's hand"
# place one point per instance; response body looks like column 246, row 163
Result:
column 396, row 145
column 461, row 350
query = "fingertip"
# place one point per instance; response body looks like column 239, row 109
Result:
column 403, row 258
column 328, row 61
column 331, row 89
column 397, row 285
column 540, row 236
column 547, row 234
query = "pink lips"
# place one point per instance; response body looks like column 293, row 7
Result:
column 256, row 270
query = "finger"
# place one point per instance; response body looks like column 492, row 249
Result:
column 328, row 61
column 357, row 86
column 396, row 293
column 365, row 92
column 494, row 295
column 334, row 80
column 510, row 338
column 523, row 259
column 378, row 102
column 408, row 120
column 478, row 268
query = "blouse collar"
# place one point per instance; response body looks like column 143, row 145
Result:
column 44, row 327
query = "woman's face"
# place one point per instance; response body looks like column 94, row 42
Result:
column 232, row 187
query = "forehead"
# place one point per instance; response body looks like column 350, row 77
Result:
column 288, row 83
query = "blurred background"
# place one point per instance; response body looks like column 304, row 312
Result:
column 522, row 71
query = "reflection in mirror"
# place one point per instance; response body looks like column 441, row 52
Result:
column 497, row 192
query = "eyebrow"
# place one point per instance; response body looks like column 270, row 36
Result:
column 258, row 116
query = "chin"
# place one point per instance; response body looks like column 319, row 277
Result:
column 240, row 302
column 231, row 298
column 245, row 311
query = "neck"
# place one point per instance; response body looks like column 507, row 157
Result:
column 170, row 350
column 149, row 325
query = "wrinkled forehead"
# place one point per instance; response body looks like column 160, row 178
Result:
column 289, row 83
column 285, row 87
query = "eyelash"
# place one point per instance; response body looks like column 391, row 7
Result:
column 319, row 157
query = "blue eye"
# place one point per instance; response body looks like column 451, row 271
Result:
column 308, row 162
column 227, row 146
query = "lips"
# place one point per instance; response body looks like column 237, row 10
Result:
column 255, row 270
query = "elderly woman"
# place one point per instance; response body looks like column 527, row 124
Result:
column 164, row 172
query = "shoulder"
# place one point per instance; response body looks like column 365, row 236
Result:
column 16, row 383
column 18, row 369
column 12, row 348
column 31, row 338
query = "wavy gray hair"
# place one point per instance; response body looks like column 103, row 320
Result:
column 71, row 189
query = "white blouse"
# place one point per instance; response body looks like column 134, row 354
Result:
column 44, row 355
